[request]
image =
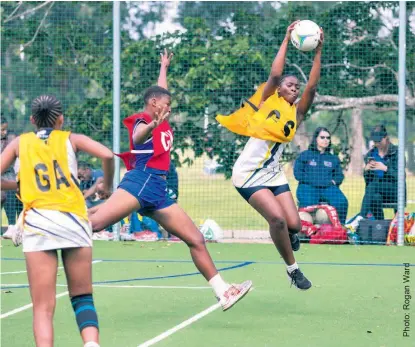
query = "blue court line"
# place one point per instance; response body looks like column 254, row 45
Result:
column 239, row 262
column 336, row 264
column 172, row 261
column 149, row 278
column 174, row 276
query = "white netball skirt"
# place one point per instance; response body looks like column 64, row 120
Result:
column 49, row 229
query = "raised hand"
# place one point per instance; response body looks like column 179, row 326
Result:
column 290, row 29
column 165, row 58
column 160, row 116
column 320, row 44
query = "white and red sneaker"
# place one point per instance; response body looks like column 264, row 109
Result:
column 235, row 293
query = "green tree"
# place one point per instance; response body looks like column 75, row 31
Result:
column 224, row 50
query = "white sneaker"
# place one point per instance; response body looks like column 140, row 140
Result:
column 91, row 344
column 354, row 225
column 9, row 232
column 235, row 293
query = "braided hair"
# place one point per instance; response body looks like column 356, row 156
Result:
column 45, row 110
column 284, row 77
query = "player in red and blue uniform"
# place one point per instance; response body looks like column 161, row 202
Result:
column 144, row 186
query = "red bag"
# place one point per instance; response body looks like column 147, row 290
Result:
column 328, row 233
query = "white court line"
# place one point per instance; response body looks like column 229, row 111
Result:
column 14, row 272
column 151, row 287
column 21, row 272
column 180, row 326
column 25, row 307
column 115, row 286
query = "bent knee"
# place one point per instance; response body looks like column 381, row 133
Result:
column 277, row 222
column 196, row 241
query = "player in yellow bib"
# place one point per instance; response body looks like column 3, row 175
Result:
column 270, row 118
column 55, row 216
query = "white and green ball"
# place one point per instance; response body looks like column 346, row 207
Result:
column 306, row 35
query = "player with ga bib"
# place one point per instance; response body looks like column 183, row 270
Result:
column 144, row 187
column 270, row 118
column 55, row 217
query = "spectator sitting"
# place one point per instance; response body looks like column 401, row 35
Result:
column 381, row 174
column 90, row 178
column 319, row 175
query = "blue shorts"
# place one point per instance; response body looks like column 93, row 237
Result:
column 277, row 190
column 149, row 189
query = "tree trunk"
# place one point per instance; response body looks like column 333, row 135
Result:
column 301, row 139
column 357, row 143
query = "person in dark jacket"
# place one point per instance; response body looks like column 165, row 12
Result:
column 319, row 175
column 381, row 174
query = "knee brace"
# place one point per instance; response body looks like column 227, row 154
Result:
column 85, row 313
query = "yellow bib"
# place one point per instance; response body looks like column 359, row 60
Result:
column 274, row 121
column 44, row 176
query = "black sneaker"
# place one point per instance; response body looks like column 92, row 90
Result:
column 295, row 242
column 299, row 280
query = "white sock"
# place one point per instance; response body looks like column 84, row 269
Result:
column 219, row 286
column 291, row 268
column 91, row 344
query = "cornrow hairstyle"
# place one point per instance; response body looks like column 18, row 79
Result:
column 45, row 110
column 285, row 77
column 155, row 92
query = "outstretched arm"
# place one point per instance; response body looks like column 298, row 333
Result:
column 310, row 89
column 278, row 65
column 164, row 64
column 9, row 155
column 8, row 185
column 96, row 149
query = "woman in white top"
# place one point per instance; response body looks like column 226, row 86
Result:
column 258, row 175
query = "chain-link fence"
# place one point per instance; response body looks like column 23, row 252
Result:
column 222, row 52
